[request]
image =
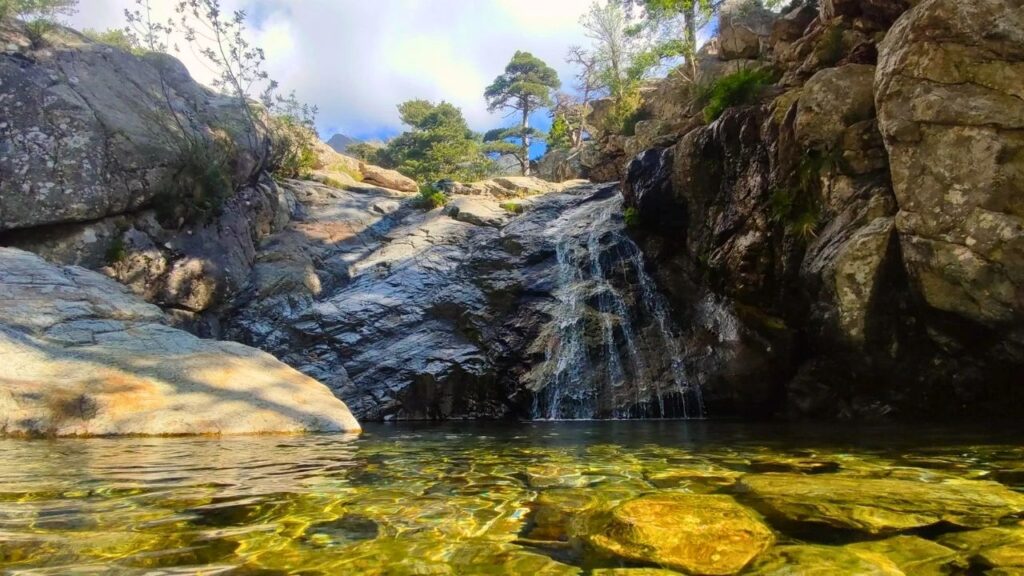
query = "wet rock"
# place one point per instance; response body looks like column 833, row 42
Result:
column 478, row 210
column 913, row 555
column 794, row 465
column 648, row 190
column 990, row 548
column 809, row 560
column 695, row 534
column 554, row 510
column 880, row 506
column 697, row 479
column 85, row 357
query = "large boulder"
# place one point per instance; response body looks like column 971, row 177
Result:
column 390, row 179
column 83, row 356
column 696, row 534
column 832, row 100
column 950, row 98
column 90, row 130
column 743, row 30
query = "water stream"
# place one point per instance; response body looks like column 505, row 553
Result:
column 614, row 351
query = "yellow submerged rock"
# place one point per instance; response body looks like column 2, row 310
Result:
column 822, row 561
column 881, row 506
column 914, row 555
column 699, row 534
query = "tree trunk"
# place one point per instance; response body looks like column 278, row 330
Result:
column 690, row 37
column 525, row 161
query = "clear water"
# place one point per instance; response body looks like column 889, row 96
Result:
column 412, row 499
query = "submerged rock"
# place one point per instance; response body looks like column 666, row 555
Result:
column 913, row 555
column 991, row 548
column 83, row 356
column 880, row 506
column 698, row 534
column 809, row 560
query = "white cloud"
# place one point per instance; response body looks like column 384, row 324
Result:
column 358, row 59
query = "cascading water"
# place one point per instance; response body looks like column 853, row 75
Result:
column 612, row 350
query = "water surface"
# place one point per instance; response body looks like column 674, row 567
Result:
column 424, row 499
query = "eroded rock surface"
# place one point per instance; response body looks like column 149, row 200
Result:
column 83, row 356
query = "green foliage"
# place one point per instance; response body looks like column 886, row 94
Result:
column 632, row 217
column 51, row 10
column 364, row 151
column 624, row 113
column 736, row 89
column 293, row 138
column 117, row 251
column 438, row 145
column 524, row 87
column 512, row 207
column 38, row 29
column 797, row 206
column 198, row 186
column 559, row 137
column 116, row 37
column 430, row 198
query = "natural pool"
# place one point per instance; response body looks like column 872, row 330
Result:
column 542, row 498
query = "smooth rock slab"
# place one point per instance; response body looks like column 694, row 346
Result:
column 82, row 356
column 881, row 506
column 699, row 534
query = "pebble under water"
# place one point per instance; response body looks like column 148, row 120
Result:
column 597, row 498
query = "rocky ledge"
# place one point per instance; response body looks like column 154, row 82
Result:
column 82, row 356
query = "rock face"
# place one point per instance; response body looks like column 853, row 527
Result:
column 82, row 356
column 860, row 221
column 697, row 534
column 88, row 129
column 470, row 310
column 951, row 110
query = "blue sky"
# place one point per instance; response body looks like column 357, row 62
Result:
column 358, row 59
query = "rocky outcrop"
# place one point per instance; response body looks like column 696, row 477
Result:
column 90, row 131
column 846, row 245
column 388, row 178
column 951, row 110
column 465, row 311
column 82, row 356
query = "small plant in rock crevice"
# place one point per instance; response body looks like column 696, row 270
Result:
column 199, row 184
column 736, row 89
column 512, row 207
column 431, row 198
column 797, row 205
column 632, row 217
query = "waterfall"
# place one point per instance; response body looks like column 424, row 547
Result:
column 612, row 350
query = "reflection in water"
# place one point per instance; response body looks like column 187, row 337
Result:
column 451, row 499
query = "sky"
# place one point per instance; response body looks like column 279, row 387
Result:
column 358, row 59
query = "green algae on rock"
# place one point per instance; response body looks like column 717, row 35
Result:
column 995, row 548
column 880, row 506
column 702, row 534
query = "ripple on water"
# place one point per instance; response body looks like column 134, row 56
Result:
column 527, row 499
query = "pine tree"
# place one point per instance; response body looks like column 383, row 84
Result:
column 525, row 87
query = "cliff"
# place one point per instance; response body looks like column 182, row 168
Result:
column 861, row 220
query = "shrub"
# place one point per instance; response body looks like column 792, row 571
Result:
column 293, row 148
column 430, row 198
column 740, row 87
column 199, row 185
column 632, row 217
column 117, row 251
column 512, row 207
column 796, row 207
column 38, row 29
column 115, row 37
